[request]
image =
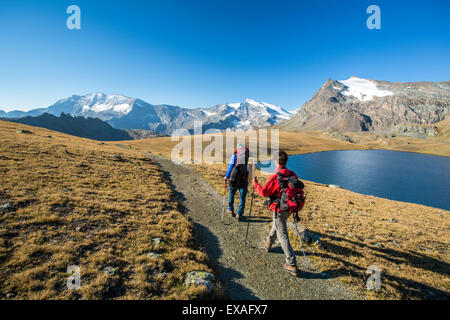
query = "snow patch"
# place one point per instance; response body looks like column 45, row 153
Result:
column 363, row 89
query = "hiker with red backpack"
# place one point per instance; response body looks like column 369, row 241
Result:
column 286, row 197
column 237, row 176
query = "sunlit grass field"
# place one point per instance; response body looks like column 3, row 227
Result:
column 81, row 202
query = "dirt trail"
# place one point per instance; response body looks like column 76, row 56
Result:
column 246, row 271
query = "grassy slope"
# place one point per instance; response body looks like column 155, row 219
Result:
column 76, row 205
column 409, row 242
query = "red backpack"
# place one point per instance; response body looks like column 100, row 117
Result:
column 291, row 197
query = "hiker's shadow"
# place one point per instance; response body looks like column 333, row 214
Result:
column 256, row 219
column 226, row 275
column 329, row 274
column 413, row 289
column 309, row 273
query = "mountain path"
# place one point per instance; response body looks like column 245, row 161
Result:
column 246, row 271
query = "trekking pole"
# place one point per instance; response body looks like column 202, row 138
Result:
column 249, row 214
column 224, row 198
column 301, row 245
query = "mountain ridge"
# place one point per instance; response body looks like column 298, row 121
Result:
column 91, row 128
column 123, row 112
column 369, row 105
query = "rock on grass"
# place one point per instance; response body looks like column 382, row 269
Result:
column 200, row 278
column 6, row 207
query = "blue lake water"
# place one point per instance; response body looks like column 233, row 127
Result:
column 402, row 176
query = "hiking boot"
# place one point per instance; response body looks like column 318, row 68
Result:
column 291, row 269
column 230, row 212
column 267, row 245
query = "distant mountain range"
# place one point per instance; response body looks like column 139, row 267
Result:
column 130, row 113
column 354, row 104
column 376, row 106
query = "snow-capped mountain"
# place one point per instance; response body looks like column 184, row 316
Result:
column 359, row 104
column 130, row 113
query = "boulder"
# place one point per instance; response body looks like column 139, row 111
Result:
column 24, row 131
column 333, row 186
column 118, row 157
column 6, row 207
column 200, row 278
column 153, row 255
column 109, row 270
column 156, row 241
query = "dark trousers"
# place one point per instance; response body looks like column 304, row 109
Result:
column 242, row 195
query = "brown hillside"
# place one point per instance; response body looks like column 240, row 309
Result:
column 75, row 201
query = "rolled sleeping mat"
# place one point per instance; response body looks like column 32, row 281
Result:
column 251, row 170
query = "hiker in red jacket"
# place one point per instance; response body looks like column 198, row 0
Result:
column 279, row 226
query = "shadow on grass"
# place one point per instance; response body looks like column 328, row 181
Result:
column 410, row 289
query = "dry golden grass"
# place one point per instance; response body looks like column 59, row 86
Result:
column 408, row 242
column 75, row 204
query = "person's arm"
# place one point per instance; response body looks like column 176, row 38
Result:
column 230, row 166
column 268, row 189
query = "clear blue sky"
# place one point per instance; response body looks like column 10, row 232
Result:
column 196, row 53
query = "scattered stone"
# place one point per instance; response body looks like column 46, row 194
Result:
column 397, row 244
column 156, row 241
column 49, row 137
column 162, row 274
column 314, row 214
column 24, row 131
column 315, row 239
column 372, row 202
column 82, row 165
column 333, row 186
column 101, row 143
column 328, row 225
column 350, row 202
column 200, row 278
column 153, row 255
column 305, row 234
column 378, row 245
column 424, row 249
column 393, row 220
column 117, row 157
column 109, row 270
column 78, row 229
column 9, row 295
column 66, row 190
column 357, row 212
column 6, row 207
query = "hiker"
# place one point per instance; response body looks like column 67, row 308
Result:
column 237, row 176
column 282, row 207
